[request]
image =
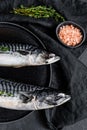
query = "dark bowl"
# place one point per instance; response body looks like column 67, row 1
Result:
column 83, row 33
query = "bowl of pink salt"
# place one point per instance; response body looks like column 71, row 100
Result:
column 70, row 34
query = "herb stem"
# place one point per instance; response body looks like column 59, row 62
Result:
column 39, row 12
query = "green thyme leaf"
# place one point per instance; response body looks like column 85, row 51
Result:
column 3, row 93
column 39, row 12
column 2, row 48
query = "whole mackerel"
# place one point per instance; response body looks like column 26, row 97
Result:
column 31, row 57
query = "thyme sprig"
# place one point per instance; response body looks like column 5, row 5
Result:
column 3, row 48
column 3, row 93
column 39, row 12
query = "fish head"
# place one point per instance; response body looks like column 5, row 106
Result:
column 51, row 58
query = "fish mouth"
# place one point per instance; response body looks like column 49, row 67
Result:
column 52, row 59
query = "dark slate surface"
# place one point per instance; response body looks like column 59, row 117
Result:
column 81, row 125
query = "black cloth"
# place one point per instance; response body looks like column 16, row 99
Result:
column 70, row 72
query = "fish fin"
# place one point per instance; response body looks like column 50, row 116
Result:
column 19, row 66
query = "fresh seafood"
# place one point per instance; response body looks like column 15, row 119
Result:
column 20, row 96
column 33, row 100
column 31, row 57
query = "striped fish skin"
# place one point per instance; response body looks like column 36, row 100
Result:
column 29, row 97
column 15, row 46
column 33, row 56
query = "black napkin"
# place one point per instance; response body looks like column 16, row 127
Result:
column 83, row 57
